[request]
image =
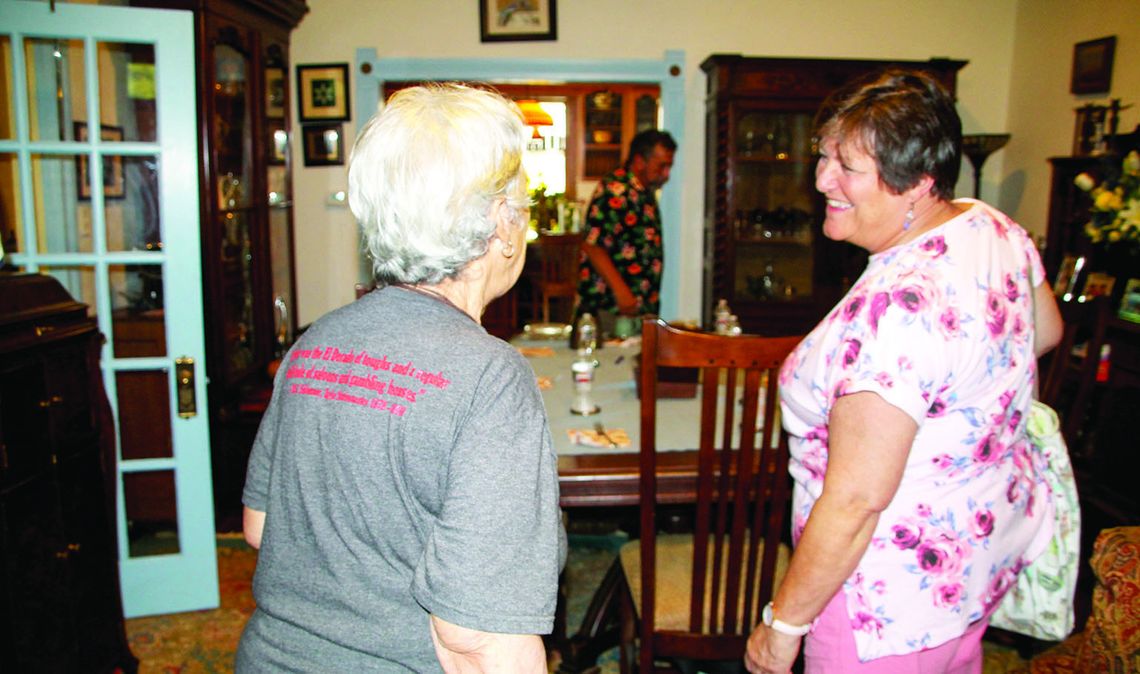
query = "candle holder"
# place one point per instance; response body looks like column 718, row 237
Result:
column 978, row 147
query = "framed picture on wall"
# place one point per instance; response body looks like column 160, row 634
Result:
column 517, row 20
column 323, row 144
column 274, row 93
column 114, row 186
column 322, row 92
column 1092, row 66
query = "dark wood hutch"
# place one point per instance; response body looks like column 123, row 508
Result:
column 60, row 608
column 245, row 172
column 765, row 252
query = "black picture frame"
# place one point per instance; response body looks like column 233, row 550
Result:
column 1092, row 66
column 114, row 184
column 322, row 92
column 323, row 144
column 517, row 20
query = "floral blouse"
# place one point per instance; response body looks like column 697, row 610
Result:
column 942, row 328
column 624, row 221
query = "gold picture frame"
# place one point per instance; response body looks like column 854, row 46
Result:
column 322, row 92
column 517, row 20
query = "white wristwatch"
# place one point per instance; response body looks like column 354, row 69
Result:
column 769, row 619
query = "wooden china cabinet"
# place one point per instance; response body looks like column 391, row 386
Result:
column 244, row 98
column 765, row 252
column 60, row 608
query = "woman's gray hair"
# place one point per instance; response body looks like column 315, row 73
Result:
column 424, row 175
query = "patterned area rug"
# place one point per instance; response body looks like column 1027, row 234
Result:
column 200, row 642
column 204, row 642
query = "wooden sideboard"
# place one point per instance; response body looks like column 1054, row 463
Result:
column 61, row 608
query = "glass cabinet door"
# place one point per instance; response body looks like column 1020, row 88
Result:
column 231, row 131
column 773, row 207
column 279, row 197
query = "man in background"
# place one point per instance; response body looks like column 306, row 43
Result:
column 621, row 265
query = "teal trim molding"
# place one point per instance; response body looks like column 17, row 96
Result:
column 668, row 72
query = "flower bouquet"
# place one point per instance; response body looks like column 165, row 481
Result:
column 1115, row 211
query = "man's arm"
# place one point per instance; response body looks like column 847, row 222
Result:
column 601, row 262
column 462, row 650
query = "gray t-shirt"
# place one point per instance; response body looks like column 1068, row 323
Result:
column 406, row 468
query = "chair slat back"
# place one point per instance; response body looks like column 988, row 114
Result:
column 741, row 492
column 1082, row 320
column 559, row 256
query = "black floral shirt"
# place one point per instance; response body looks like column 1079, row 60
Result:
column 624, row 221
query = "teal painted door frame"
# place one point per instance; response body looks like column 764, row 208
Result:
column 47, row 202
column 668, row 72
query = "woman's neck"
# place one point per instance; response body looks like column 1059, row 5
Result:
column 458, row 294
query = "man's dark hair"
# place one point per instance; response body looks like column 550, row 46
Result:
column 643, row 143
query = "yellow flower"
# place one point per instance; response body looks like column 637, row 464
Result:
column 1132, row 163
column 1108, row 201
column 1084, row 181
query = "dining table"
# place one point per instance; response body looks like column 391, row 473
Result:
column 599, row 474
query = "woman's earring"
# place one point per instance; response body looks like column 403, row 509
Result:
column 909, row 219
column 509, row 249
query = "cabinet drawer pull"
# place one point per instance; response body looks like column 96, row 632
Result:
column 54, row 400
column 42, row 330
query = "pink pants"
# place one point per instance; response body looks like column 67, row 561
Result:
column 831, row 648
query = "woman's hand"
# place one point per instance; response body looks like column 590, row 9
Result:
column 770, row 652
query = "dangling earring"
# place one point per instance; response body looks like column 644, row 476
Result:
column 909, row 219
column 509, row 249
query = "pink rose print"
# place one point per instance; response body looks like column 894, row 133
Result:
column 999, row 585
column 910, row 297
column 937, row 408
column 879, row 304
column 906, row 535
column 995, row 313
column 851, row 309
column 851, row 353
column 949, row 322
column 885, row 380
column 936, row 245
column 947, row 595
column 864, row 621
column 941, row 554
column 983, row 523
column 1014, row 420
column 1011, row 291
column 931, row 558
column 943, row 461
column 923, row 510
column 989, row 450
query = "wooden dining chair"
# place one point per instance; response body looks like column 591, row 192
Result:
column 697, row 597
column 559, row 256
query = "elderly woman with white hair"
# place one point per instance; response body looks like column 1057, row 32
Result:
column 403, row 486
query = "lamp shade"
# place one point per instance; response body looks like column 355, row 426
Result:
column 533, row 114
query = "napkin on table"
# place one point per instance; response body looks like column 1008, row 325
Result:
column 592, row 438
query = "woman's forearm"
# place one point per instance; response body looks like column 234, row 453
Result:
column 835, row 538
column 870, row 442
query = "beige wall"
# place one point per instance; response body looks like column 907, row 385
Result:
column 981, row 31
column 1041, row 116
